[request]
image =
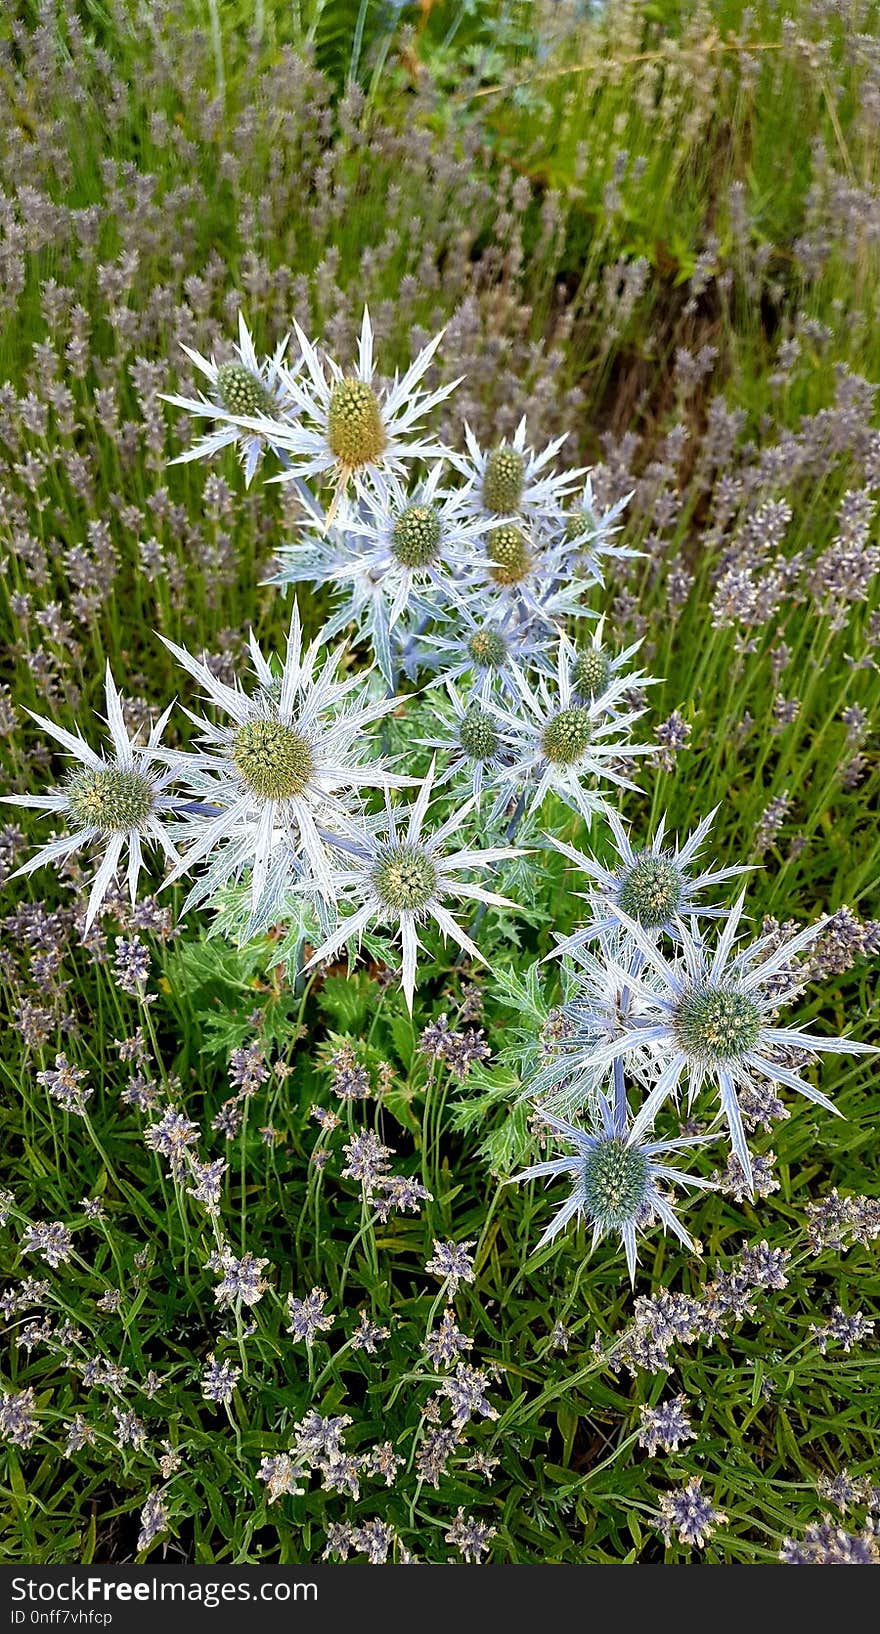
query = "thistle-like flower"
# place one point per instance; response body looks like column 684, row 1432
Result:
column 332, row 554
column 417, row 541
column 594, row 670
column 112, row 801
column 529, row 574
column 564, row 744
column 511, row 480
column 711, row 1016
column 654, row 884
column 283, row 773
column 389, row 554
column 400, row 876
column 594, row 529
column 350, row 426
column 472, row 742
column 615, row 1178
column 489, row 650
column 602, row 1002
column 245, row 388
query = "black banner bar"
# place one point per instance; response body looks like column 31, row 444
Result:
column 138, row 1599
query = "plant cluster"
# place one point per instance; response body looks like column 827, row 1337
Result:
column 455, row 496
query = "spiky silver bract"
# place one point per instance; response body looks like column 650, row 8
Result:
column 565, row 744
column 484, row 644
column 710, row 1016
column 594, row 529
column 601, row 1002
column 284, row 774
column 245, row 389
column 656, row 883
column 118, row 801
column 526, row 573
column 392, row 556
column 615, row 1175
column 599, row 675
column 471, row 741
column 511, row 480
column 401, row 875
column 348, row 426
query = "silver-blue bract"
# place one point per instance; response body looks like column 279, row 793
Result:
column 710, row 1015
column 616, row 1178
column 111, row 801
column 656, row 884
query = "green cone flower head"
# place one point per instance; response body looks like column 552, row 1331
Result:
column 614, row 1180
column 416, row 537
column 488, row 648
column 273, row 758
column 503, row 481
column 354, row 423
column 115, row 800
column 242, row 392
column 111, row 802
column 717, row 1023
column 591, row 672
column 478, row 734
column 405, row 878
column 652, row 890
column 567, row 735
column 510, row 555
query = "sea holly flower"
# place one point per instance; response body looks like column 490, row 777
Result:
column 591, row 670
column 510, row 554
column 512, row 481
column 417, row 541
column 655, row 884
column 593, row 531
column 472, row 741
column 401, row 876
column 486, row 647
column 527, row 574
column 242, row 388
column 284, row 769
column 350, row 427
column 712, row 1017
column 332, row 554
column 563, row 744
column 615, row 1179
column 595, row 671
column 390, row 554
column 114, row 802
column 603, row 1000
